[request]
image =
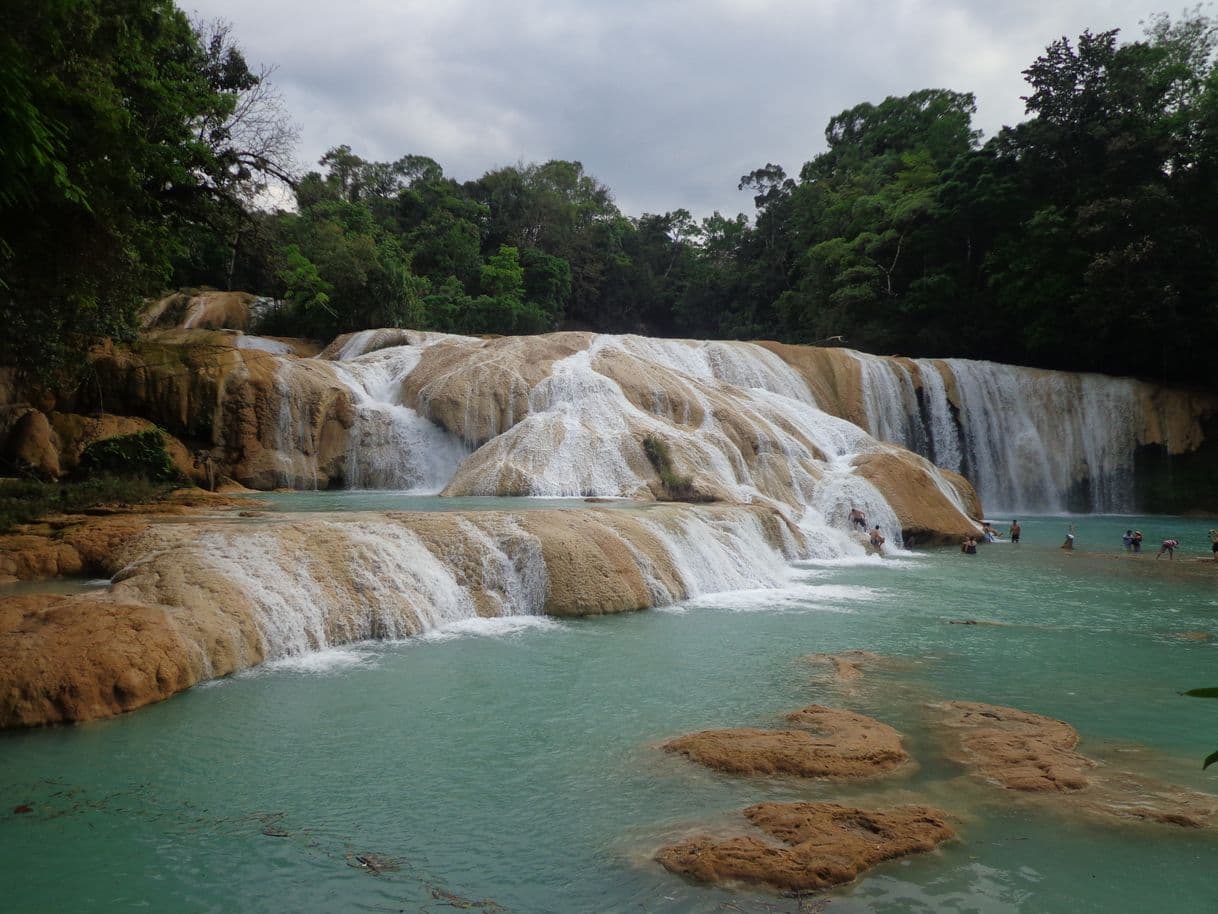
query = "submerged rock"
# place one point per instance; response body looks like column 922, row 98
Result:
column 835, row 744
column 818, row 845
column 848, row 665
column 1017, row 749
column 1022, row 751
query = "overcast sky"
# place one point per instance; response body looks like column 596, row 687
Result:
column 667, row 103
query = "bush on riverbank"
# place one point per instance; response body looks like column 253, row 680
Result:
column 23, row 501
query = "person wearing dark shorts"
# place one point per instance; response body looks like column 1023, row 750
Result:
column 1214, row 543
column 1014, row 532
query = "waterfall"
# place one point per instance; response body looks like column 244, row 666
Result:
column 314, row 583
column 720, row 555
column 294, row 441
column 391, row 446
column 1029, row 440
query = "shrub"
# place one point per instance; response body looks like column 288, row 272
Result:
column 141, row 454
column 23, row 501
column 676, row 487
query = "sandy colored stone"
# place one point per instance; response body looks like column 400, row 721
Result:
column 221, row 596
column 237, row 403
column 847, row 665
column 832, row 374
column 830, row 743
column 1193, row 636
column 1017, row 749
column 25, row 557
column 812, row 845
column 478, row 389
column 208, row 309
column 1027, row 752
column 75, row 432
column 27, row 442
column 926, row 513
column 65, row 659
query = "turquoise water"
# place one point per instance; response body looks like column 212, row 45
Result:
column 514, row 764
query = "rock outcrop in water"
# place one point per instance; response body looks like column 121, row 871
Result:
column 1027, row 752
column 815, row 846
column 212, row 597
column 830, row 743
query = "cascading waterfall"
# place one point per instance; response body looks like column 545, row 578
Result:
column 1028, row 440
column 312, row 584
column 294, row 441
column 719, row 556
column 890, row 399
column 741, row 422
column 391, row 446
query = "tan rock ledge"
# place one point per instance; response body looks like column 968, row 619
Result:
column 1027, row 752
column 830, row 743
column 817, row 845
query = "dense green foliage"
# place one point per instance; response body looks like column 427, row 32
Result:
column 140, row 454
column 25, row 500
column 1084, row 238
column 116, row 142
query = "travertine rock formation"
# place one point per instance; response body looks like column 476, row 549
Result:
column 1027, row 752
column 815, row 846
column 212, row 597
column 830, row 743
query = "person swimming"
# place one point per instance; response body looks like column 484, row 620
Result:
column 969, row 546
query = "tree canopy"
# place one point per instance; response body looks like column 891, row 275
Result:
column 135, row 148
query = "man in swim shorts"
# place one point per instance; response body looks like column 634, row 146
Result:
column 877, row 538
column 1214, row 543
column 1169, row 546
column 1014, row 531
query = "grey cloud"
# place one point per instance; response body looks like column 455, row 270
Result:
column 667, row 103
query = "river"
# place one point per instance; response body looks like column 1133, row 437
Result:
column 513, row 764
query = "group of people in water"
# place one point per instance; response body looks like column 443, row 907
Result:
column 990, row 535
column 1132, row 540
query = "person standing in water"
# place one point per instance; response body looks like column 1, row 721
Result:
column 1214, row 543
column 1137, row 542
column 1169, row 546
column 877, row 538
column 1127, row 541
column 1069, row 543
column 969, row 546
column 1014, row 531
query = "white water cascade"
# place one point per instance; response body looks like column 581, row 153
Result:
column 1028, row 440
column 391, row 446
column 315, row 583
